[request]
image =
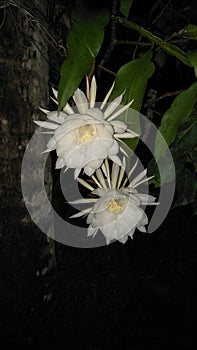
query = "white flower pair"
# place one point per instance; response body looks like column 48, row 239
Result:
column 85, row 139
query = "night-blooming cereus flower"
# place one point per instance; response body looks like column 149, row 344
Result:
column 117, row 209
column 83, row 139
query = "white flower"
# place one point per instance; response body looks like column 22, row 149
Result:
column 85, row 138
column 116, row 211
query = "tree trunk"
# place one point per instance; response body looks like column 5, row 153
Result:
column 28, row 267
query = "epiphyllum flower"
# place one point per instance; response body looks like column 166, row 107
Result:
column 117, row 211
column 85, row 138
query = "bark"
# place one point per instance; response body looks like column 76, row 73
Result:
column 27, row 266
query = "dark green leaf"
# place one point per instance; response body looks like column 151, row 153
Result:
column 190, row 32
column 132, row 78
column 193, row 59
column 84, row 41
column 179, row 111
column 186, row 139
column 125, row 6
column 187, row 188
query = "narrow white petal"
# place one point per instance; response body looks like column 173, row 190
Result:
column 115, row 172
column 93, row 89
column 81, row 101
column 121, row 174
column 138, row 178
column 101, row 178
column 45, row 111
column 46, row 125
column 107, row 96
column 46, row 151
column 68, row 109
column 47, row 132
column 55, row 92
column 81, row 213
column 121, row 110
column 84, row 201
column 54, row 100
column 116, row 160
column 96, row 181
column 107, row 172
column 126, row 135
column 87, row 88
column 85, row 184
column 112, row 106
column 123, row 151
column 130, row 173
column 143, row 181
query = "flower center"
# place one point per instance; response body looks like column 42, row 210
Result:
column 116, row 206
column 86, row 133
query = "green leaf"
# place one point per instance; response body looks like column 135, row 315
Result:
column 190, row 32
column 132, row 78
column 125, row 6
column 169, row 48
column 179, row 111
column 186, row 139
column 84, row 41
column 193, row 59
column 186, row 187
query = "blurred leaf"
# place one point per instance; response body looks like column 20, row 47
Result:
column 169, row 48
column 179, row 111
column 190, row 32
column 125, row 6
column 132, row 78
column 162, row 170
column 193, row 59
column 84, row 41
column 186, row 139
column 186, row 187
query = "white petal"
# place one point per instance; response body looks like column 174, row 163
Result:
column 88, row 170
column 116, row 160
column 87, row 88
column 120, row 111
column 54, row 100
column 119, row 126
column 112, row 106
column 142, row 181
column 92, row 231
column 55, row 117
column 60, row 163
column 93, row 89
column 81, row 213
column 68, row 109
column 126, row 135
column 55, row 92
column 51, row 144
column 46, row 125
column 45, row 111
column 76, row 173
column 85, row 184
column 114, row 176
column 123, row 239
column 138, row 177
column 81, row 101
column 107, row 96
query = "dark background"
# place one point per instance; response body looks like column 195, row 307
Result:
column 139, row 296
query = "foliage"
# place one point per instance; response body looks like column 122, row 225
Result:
column 91, row 50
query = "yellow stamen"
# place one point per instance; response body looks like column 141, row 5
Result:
column 86, row 133
column 116, row 206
